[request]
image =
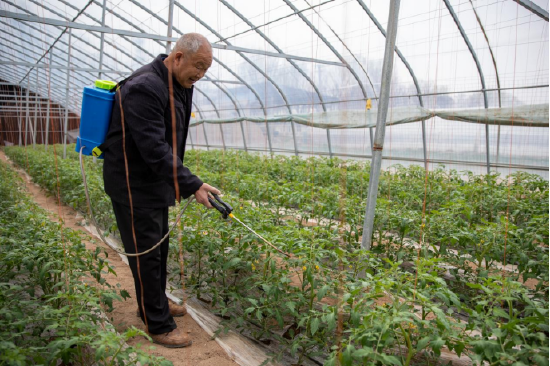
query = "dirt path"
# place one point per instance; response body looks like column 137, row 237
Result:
column 203, row 352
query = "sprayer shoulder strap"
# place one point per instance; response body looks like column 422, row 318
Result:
column 113, row 139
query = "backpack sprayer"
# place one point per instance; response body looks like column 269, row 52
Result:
column 95, row 117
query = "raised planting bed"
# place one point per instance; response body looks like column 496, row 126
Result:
column 330, row 301
column 53, row 296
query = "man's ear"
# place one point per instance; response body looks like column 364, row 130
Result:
column 179, row 57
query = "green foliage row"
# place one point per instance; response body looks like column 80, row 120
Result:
column 317, row 303
column 49, row 309
column 479, row 216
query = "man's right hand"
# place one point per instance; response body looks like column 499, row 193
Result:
column 202, row 194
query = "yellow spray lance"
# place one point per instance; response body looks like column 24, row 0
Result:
column 226, row 211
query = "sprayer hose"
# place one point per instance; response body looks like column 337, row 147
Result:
column 189, row 200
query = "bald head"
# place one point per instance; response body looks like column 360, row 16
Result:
column 191, row 42
column 190, row 59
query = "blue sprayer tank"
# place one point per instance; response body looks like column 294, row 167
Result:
column 95, row 117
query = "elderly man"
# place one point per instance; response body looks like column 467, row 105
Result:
column 139, row 175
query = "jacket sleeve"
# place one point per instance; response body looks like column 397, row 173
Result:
column 144, row 115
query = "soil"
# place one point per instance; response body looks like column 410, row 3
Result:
column 204, row 351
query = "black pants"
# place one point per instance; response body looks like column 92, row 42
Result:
column 149, row 270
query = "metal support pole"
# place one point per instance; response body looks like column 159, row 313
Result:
column 18, row 116
column 294, row 138
column 487, row 148
column 190, row 135
column 66, row 126
column 170, row 22
column 41, row 123
column 329, row 143
column 102, row 40
column 498, row 145
column 27, row 116
column 380, row 124
column 371, row 140
column 205, row 136
column 244, row 137
column 34, row 129
column 269, row 142
column 223, row 139
column 424, row 144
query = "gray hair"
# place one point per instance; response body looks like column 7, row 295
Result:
column 190, row 43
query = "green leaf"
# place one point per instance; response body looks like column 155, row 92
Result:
column 232, row 263
column 437, row 344
column 422, row 343
column 362, row 352
column 291, row 305
column 314, row 326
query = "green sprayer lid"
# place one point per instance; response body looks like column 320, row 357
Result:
column 104, row 84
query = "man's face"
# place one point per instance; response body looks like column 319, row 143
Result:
column 190, row 68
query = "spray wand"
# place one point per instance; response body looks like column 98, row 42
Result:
column 226, row 210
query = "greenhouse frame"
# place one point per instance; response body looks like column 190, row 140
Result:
column 389, row 158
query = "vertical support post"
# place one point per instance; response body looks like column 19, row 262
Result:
column 380, row 124
column 424, row 144
column 269, row 142
column 66, row 126
column 190, row 135
column 170, row 22
column 244, row 137
column 41, row 120
column 371, row 140
column 223, row 138
column 102, row 40
column 498, row 145
column 294, row 138
column 487, row 148
column 205, row 136
column 18, row 115
column 27, row 109
column 49, row 101
column 34, row 130
column 329, row 143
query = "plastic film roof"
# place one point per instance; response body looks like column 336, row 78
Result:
column 331, row 51
column 311, row 59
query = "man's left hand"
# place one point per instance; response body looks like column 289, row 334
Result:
column 202, row 194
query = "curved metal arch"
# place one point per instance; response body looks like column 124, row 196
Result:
column 262, row 34
column 480, row 71
column 257, row 69
column 61, row 41
column 19, row 73
column 41, row 31
column 490, row 51
column 215, row 58
column 397, row 51
column 107, row 41
column 160, row 43
column 33, row 36
column 68, row 19
column 189, row 128
column 76, row 72
column 210, row 100
column 178, row 31
column 238, row 52
column 217, row 113
column 244, row 82
column 237, row 109
column 198, row 110
column 329, row 45
column 123, row 36
column 470, row 48
column 411, row 72
column 533, row 8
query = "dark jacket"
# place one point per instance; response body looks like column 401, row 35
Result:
column 148, row 129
